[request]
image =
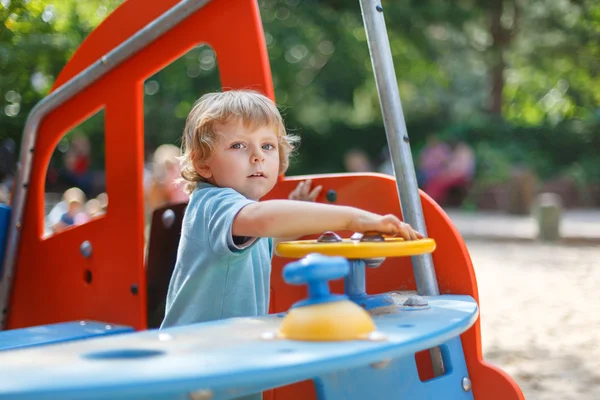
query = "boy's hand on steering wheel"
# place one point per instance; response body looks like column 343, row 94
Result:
column 389, row 224
column 303, row 191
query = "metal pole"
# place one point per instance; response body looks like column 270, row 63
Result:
column 85, row 78
column 399, row 145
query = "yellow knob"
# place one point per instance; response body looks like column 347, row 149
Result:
column 333, row 321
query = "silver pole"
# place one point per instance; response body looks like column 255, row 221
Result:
column 397, row 136
column 399, row 145
column 85, row 78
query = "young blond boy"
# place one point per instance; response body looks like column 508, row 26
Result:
column 234, row 148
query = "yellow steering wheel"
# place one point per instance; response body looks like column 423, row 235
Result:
column 359, row 246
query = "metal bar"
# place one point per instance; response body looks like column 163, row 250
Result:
column 355, row 283
column 85, row 78
column 399, row 145
column 397, row 136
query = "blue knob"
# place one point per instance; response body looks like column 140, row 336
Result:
column 315, row 270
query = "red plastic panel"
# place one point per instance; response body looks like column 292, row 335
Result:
column 454, row 270
column 49, row 278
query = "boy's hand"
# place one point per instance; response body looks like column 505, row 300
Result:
column 366, row 221
column 303, row 191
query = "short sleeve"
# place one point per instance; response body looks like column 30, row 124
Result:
column 221, row 209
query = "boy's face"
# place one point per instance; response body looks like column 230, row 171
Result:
column 244, row 160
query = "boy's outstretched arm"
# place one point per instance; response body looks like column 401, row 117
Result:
column 289, row 218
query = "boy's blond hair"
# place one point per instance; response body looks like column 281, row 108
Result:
column 254, row 109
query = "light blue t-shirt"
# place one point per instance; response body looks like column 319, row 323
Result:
column 215, row 277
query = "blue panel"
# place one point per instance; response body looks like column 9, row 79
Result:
column 56, row 333
column 228, row 357
column 398, row 380
column 4, row 221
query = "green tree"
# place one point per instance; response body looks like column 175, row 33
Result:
column 532, row 64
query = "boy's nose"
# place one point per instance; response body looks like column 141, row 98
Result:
column 257, row 157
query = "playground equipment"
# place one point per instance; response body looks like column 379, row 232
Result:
column 43, row 278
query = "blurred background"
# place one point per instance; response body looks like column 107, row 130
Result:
column 501, row 100
column 516, row 81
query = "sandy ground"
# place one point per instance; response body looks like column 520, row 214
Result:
column 540, row 315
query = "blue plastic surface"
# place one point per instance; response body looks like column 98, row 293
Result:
column 56, row 333
column 315, row 270
column 5, row 212
column 228, row 357
column 398, row 380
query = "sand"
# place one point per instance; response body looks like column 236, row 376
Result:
column 540, row 315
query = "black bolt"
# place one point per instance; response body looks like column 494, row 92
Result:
column 25, row 185
column 331, row 196
column 134, row 289
column 406, row 139
column 379, row 8
column 87, row 276
column 31, row 150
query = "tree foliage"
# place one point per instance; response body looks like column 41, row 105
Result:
column 518, row 76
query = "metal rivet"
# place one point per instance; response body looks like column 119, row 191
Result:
column 82, row 323
column 415, row 301
column 201, row 395
column 329, row 237
column 406, row 139
column 466, row 384
column 168, row 218
column 331, row 196
column 103, row 60
column 379, row 8
column 381, row 364
column 372, row 237
column 86, row 249
column 18, row 225
column 134, row 289
column 108, row 327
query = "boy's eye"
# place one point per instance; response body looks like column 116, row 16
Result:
column 237, row 146
column 268, row 146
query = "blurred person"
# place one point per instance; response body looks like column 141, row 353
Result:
column 433, row 159
column 455, row 174
column 386, row 166
column 77, row 164
column 356, row 160
column 91, row 209
column 165, row 187
column 67, row 219
column 54, row 217
column 103, row 202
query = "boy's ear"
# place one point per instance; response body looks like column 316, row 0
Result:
column 202, row 169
